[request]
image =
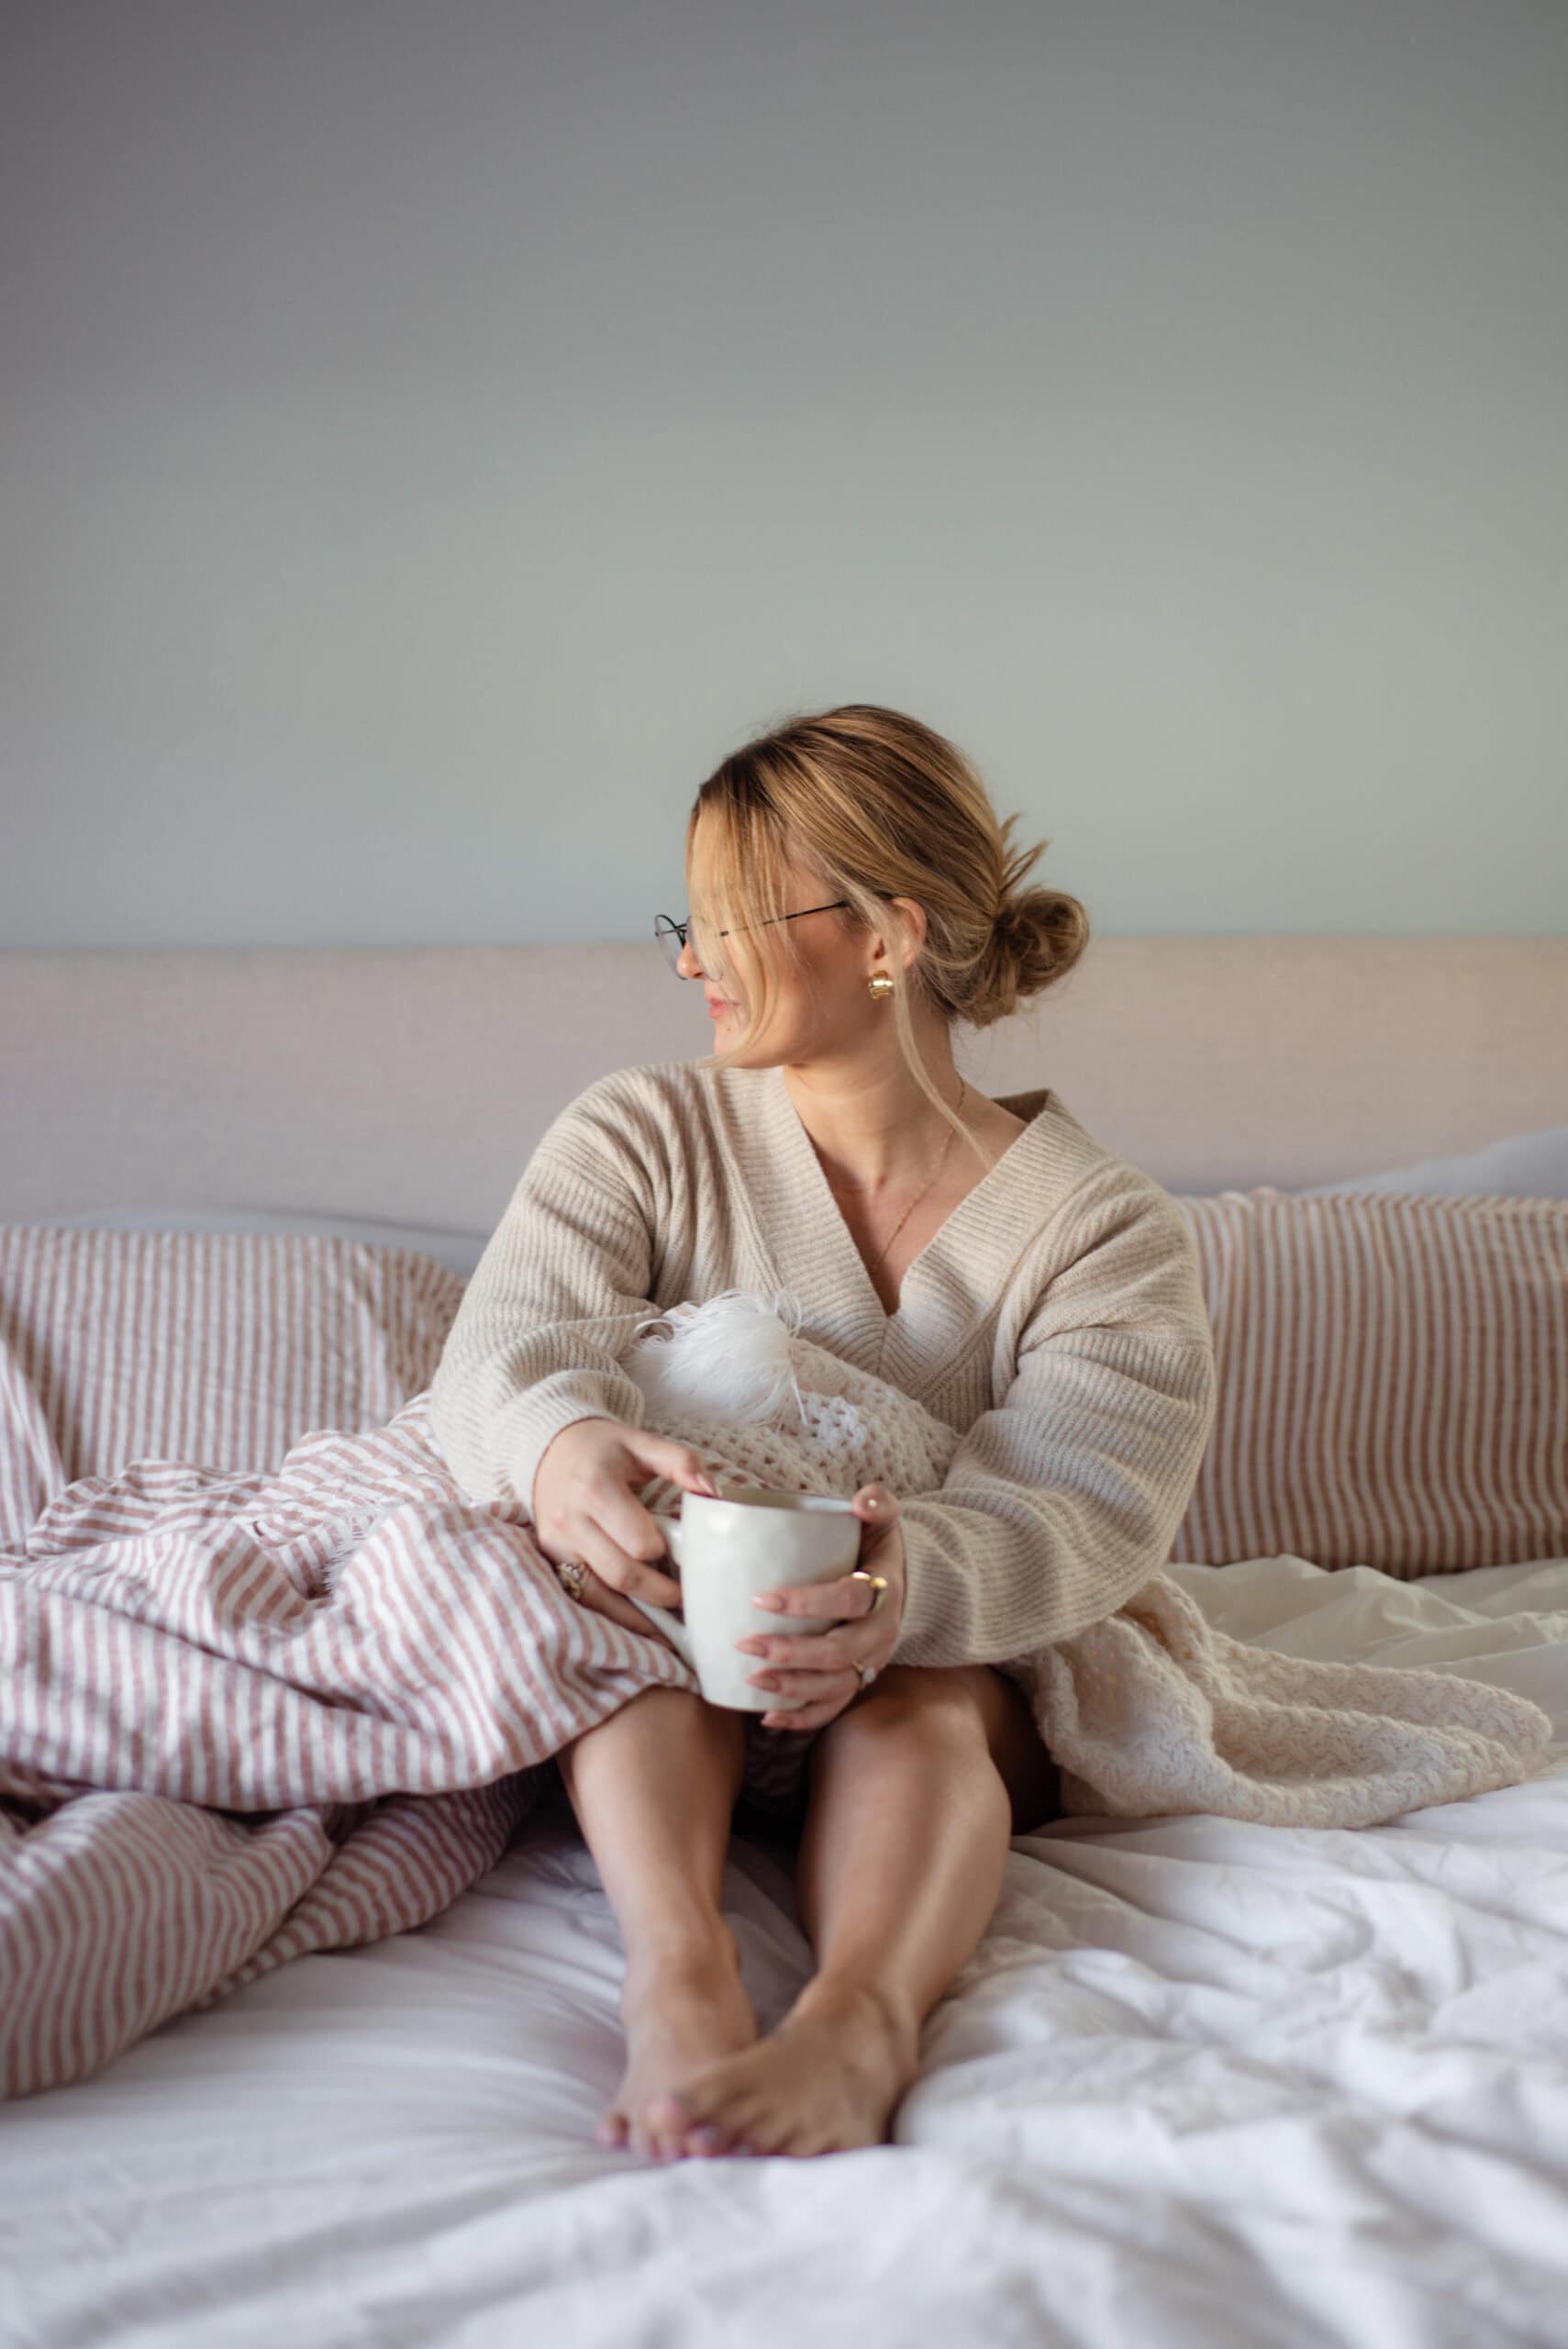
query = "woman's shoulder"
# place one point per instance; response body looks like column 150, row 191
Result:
column 1095, row 1191
column 646, row 1118
column 1114, row 1241
column 1080, row 1167
column 677, row 1089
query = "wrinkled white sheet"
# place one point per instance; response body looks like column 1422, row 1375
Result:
column 1203, row 2083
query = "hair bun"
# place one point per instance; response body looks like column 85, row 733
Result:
column 1036, row 939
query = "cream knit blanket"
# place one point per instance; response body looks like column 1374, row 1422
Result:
column 1152, row 1710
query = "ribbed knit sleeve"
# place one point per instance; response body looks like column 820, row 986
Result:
column 553, row 1303
column 1058, row 1505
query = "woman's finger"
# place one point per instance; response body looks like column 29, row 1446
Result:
column 830, row 1652
column 847, row 1599
column 628, row 1576
column 626, row 1548
column 853, row 1636
column 604, row 1599
column 816, row 1714
column 632, row 1524
column 877, row 1509
column 812, row 1687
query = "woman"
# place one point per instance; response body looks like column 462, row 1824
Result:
column 853, row 897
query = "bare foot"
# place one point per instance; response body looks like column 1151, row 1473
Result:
column 824, row 2081
column 681, row 2012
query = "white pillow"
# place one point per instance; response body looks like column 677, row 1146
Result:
column 1529, row 1166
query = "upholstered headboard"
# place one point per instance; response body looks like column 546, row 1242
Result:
column 411, row 1084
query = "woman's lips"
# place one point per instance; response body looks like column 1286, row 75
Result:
column 716, row 1008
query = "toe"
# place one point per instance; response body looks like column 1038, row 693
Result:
column 668, row 2120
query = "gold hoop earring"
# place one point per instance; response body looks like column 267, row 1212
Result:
column 881, row 987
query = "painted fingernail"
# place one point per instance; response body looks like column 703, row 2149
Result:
column 771, row 1604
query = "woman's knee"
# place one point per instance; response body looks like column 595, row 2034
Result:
column 949, row 1696
column 678, row 1718
column 979, row 1710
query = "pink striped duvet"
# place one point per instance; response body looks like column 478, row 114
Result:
column 250, row 1711
column 248, row 1717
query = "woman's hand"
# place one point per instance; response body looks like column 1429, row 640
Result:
column 586, row 1506
column 820, row 1665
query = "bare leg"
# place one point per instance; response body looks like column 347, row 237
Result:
column 900, row 1867
column 653, row 1788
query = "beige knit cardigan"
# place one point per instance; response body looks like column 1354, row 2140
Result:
column 1055, row 1320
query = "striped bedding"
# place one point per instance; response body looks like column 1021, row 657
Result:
column 219, row 1348
column 254, row 1706
column 1392, row 1380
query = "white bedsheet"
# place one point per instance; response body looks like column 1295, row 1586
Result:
column 1203, row 2083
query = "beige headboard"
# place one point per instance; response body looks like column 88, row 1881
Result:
column 411, row 1084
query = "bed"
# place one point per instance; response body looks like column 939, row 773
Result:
column 1203, row 2081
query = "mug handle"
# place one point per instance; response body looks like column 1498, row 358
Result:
column 670, row 1624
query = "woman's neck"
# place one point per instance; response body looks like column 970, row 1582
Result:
column 876, row 1138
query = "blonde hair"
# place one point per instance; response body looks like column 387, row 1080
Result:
column 878, row 806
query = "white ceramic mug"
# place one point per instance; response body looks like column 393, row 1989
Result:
column 751, row 1538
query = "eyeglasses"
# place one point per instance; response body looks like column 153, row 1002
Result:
column 673, row 935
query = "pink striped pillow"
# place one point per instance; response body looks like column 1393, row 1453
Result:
column 1393, row 1373
column 223, row 1349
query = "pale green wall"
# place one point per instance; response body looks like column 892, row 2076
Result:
column 432, row 435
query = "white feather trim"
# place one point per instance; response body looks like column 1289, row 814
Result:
column 728, row 1359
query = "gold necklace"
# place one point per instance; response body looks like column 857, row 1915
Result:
column 942, row 1157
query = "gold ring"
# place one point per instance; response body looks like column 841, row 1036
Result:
column 878, row 1583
